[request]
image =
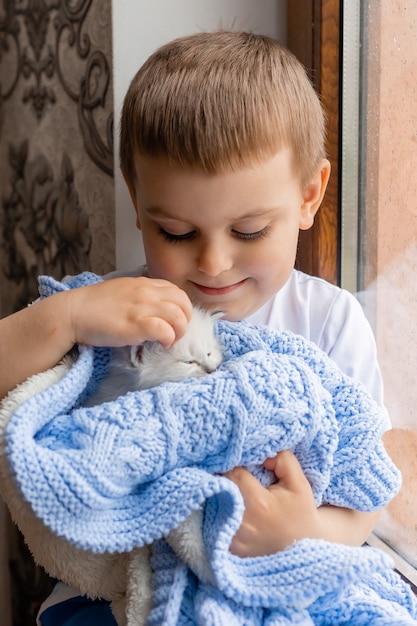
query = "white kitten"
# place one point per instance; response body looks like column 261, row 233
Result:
column 196, row 354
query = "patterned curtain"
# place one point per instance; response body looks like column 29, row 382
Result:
column 56, row 175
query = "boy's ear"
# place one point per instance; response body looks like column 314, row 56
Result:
column 313, row 195
column 132, row 193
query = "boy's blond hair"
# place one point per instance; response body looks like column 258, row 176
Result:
column 219, row 101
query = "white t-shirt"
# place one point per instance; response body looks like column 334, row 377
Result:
column 330, row 317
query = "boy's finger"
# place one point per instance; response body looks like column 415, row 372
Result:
column 286, row 468
column 246, row 482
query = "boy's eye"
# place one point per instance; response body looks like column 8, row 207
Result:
column 173, row 238
column 258, row 234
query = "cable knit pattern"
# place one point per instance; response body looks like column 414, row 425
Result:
column 125, row 473
column 312, row 582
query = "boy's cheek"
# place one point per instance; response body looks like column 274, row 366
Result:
column 163, row 265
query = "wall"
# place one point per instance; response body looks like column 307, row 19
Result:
column 139, row 27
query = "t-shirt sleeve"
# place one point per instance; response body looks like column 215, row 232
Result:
column 349, row 340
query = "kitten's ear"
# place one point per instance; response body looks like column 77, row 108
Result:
column 217, row 315
column 136, row 354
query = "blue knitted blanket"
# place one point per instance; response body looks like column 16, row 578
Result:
column 123, row 474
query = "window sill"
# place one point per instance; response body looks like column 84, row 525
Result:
column 403, row 567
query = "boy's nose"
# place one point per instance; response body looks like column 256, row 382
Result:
column 214, row 259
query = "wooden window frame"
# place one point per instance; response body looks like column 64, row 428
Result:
column 313, row 35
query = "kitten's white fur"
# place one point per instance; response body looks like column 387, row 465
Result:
column 196, row 354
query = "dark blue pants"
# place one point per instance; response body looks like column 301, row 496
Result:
column 79, row 611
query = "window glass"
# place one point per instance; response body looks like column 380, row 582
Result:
column 383, row 156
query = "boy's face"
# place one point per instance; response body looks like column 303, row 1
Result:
column 229, row 240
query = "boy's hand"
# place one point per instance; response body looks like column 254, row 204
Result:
column 128, row 311
column 277, row 516
column 285, row 512
column 117, row 312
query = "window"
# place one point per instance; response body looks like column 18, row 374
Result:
column 379, row 257
column 363, row 59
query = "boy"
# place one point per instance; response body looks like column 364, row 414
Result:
column 222, row 149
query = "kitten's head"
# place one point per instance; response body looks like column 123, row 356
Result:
column 196, row 354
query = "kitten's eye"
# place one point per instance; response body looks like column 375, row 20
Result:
column 189, row 362
column 208, row 353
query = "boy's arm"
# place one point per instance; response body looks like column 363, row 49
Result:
column 285, row 512
column 32, row 340
column 118, row 312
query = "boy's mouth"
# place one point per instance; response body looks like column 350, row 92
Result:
column 219, row 291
